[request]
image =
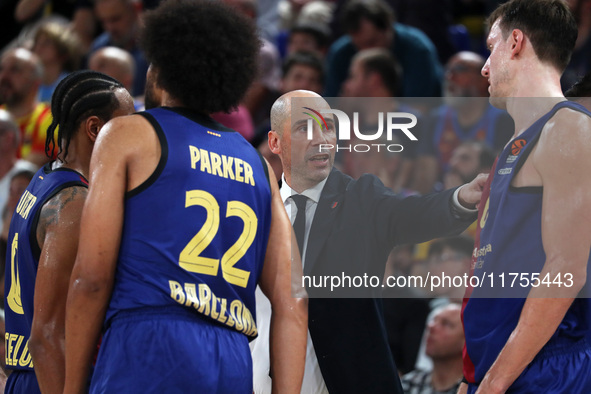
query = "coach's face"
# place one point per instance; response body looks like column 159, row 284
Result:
column 307, row 159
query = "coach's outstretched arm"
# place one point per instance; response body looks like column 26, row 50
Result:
column 566, row 225
column 281, row 283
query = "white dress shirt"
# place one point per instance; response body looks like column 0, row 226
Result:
column 313, row 382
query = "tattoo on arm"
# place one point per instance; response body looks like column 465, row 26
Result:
column 52, row 208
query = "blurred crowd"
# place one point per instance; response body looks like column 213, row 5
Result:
column 369, row 49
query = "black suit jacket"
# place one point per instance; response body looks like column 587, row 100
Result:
column 356, row 225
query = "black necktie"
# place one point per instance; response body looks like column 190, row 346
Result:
column 299, row 224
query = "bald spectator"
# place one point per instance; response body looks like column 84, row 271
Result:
column 371, row 24
column 444, row 344
column 9, row 163
column 581, row 91
column 121, row 21
column 465, row 116
column 21, row 72
column 116, row 63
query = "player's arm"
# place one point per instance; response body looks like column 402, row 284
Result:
column 57, row 235
column 563, row 162
column 100, row 233
column 281, row 276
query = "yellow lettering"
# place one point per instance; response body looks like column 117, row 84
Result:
column 32, row 201
column 21, row 202
column 8, row 348
column 236, row 313
column 214, row 302
column 227, row 162
column 223, row 317
column 250, row 328
column 191, row 292
column 239, row 169
column 216, row 164
column 14, row 349
column 248, row 178
column 25, row 356
column 205, row 165
column 176, row 292
column 204, row 298
column 194, row 155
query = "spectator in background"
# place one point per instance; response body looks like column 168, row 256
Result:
column 118, row 64
column 469, row 159
column 308, row 38
column 60, row 52
column 371, row 24
column 21, row 72
column 432, row 17
column 9, row 163
column 121, row 21
column 257, row 102
column 301, row 71
column 444, row 343
column 450, row 257
column 466, row 115
column 580, row 61
column 375, row 75
column 405, row 310
column 581, row 91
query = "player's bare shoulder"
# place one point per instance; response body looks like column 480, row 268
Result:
column 565, row 142
column 61, row 212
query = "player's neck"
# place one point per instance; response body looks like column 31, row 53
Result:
column 78, row 159
column 533, row 96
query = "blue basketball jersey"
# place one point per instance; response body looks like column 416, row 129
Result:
column 22, row 260
column 509, row 240
column 195, row 233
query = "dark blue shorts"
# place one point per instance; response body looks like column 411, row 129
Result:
column 22, row 382
column 561, row 370
column 171, row 351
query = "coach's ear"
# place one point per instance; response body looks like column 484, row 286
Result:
column 274, row 142
column 92, row 126
column 517, row 38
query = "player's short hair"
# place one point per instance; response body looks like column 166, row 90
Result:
column 304, row 58
column 549, row 25
column 204, row 53
column 378, row 12
column 80, row 95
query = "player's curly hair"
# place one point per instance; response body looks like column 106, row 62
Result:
column 204, row 53
column 80, row 95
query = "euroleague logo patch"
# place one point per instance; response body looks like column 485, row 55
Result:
column 517, row 145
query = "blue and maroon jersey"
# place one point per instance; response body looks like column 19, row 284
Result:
column 509, row 240
column 195, row 233
column 22, row 260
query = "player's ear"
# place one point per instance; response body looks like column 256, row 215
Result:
column 517, row 38
column 92, row 126
column 274, row 142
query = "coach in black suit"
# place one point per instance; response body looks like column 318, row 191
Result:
column 354, row 226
